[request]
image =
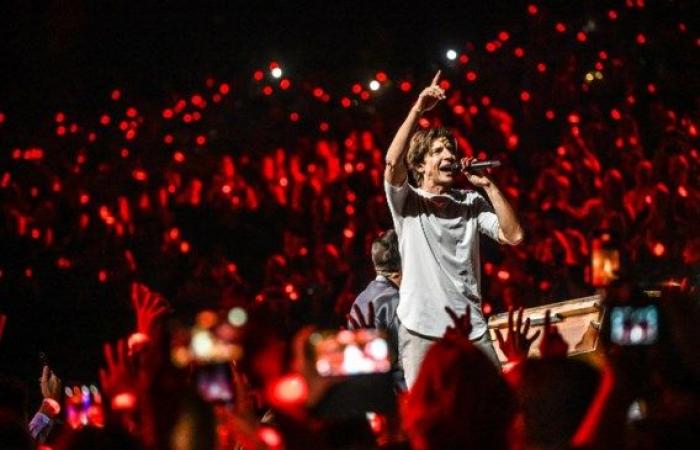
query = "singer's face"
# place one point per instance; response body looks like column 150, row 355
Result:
column 436, row 165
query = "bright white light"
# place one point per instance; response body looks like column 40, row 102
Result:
column 276, row 72
column 237, row 316
column 451, row 55
column 374, row 85
column 202, row 344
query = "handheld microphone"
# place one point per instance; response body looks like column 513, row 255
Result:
column 476, row 165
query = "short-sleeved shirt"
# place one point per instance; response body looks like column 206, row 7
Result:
column 439, row 245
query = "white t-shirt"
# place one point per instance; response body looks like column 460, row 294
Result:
column 439, row 246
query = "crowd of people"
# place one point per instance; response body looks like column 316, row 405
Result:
column 638, row 397
column 266, row 193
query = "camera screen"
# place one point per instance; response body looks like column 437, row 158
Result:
column 214, row 382
column 631, row 325
column 351, row 352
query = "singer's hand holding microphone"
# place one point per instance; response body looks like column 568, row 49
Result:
column 473, row 169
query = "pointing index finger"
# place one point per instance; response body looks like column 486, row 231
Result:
column 436, row 78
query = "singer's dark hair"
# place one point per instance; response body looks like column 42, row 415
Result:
column 385, row 253
column 420, row 146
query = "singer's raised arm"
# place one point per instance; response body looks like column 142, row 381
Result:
column 395, row 172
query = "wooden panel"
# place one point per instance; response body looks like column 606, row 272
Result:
column 572, row 317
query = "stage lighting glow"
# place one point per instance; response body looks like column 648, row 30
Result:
column 374, row 85
column 237, row 316
column 276, row 72
column 451, row 55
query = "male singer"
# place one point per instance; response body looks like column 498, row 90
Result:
column 438, row 229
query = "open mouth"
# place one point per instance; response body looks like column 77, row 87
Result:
column 446, row 168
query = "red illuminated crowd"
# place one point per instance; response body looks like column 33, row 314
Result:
column 265, row 192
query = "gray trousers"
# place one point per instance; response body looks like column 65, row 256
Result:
column 414, row 346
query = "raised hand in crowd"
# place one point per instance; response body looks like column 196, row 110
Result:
column 516, row 345
column 119, row 378
column 359, row 320
column 242, row 427
column 50, row 386
column 149, row 306
column 462, row 324
column 552, row 344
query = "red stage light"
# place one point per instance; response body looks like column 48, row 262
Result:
column 525, row 96
column 178, row 156
column 168, row 139
column 224, row 88
column 258, row 75
column 131, row 112
column 139, row 174
column 364, row 95
column 196, row 100
column 659, row 249
column 560, row 27
column 549, row 114
column 318, row 92
column 503, row 36
column 581, row 36
column 458, row 110
column 184, row 247
column 345, row 102
column 116, row 94
column 490, row 47
column 201, row 140
column 612, row 14
column 105, row 119
column 519, row 52
column 405, row 86
column 641, row 39
column 651, row 88
column 267, row 90
column 541, row 67
column 532, row 9
column 285, row 84
column 486, row 308
column 615, row 114
column 102, row 276
column 290, row 390
column 61, row 130
column 356, row 88
column 381, row 77
column 270, row 437
column 471, row 76
column 60, row 117
column 294, row 117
